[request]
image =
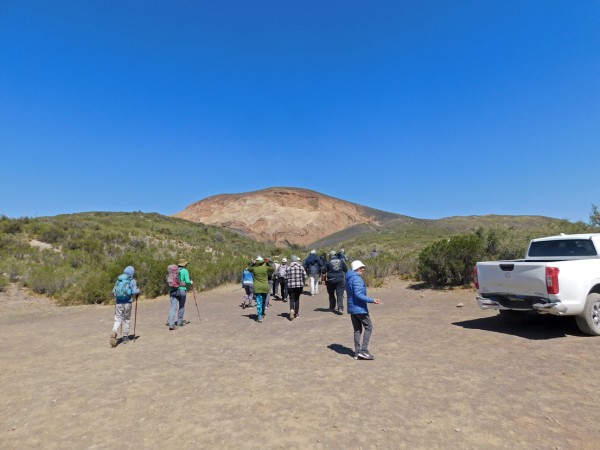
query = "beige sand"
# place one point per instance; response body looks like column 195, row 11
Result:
column 444, row 377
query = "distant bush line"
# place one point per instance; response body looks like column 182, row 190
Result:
column 76, row 258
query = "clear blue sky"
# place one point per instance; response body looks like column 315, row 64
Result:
column 424, row 108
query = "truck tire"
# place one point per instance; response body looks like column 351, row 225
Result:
column 512, row 316
column 589, row 320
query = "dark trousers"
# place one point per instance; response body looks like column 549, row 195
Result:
column 360, row 321
column 284, row 288
column 336, row 289
column 295, row 294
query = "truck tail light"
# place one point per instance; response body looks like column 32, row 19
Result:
column 475, row 277
column 552, row 280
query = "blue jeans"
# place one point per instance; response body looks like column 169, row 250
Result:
column 177, row 302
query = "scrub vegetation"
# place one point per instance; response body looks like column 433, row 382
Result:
column 75, row 258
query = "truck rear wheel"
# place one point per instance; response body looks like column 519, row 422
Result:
column 512, row 316
column 589, row 320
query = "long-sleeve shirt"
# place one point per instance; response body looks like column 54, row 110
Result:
column 295, row 276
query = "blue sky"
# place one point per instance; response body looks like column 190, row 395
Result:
column 424, row 108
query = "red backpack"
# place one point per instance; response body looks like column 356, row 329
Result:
column 173, row 279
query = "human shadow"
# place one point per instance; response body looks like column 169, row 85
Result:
column 285, row 315
column 540, row 327
column 251, row 316
column 341, row 349
column 327, row 310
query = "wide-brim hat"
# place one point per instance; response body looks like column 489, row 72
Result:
column 182, row 262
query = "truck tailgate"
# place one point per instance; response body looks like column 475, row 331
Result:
column 521, row 278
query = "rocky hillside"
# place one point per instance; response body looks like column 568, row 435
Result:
column 283, row 215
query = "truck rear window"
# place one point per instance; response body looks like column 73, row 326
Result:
column 567, row 247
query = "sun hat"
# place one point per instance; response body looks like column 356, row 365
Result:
column 284, row 260
column 357, row 265
column 259, row 258
column 314, row 252
column 295, row 258
column 182, row 262
column 332, row 253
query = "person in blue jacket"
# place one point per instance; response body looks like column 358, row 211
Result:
column 248, row 285
column 358, row 310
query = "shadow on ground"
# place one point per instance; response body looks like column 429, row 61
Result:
column 341, row 349
column 535, row 328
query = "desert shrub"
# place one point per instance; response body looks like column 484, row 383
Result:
column 3, row 282
column 47, row 280
column 52, row 235
column 151, row 276
column 450, row 262
column 94, row 287
column 11, row 226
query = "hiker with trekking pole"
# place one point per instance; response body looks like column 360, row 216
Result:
column 125, row 290
column 178, row 279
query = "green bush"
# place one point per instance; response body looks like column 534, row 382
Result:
column 3, row 282
column 450, row 262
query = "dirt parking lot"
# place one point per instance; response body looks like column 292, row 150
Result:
column 445, row 376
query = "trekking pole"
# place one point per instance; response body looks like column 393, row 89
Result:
column 135, row 317
column 196, row 302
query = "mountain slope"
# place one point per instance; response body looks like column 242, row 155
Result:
column 284, row 215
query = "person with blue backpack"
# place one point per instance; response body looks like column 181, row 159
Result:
column 125, row 291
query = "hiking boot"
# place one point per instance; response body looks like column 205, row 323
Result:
column 172, row 327
column 180, row 323
column 125, row 340
column 366, row 355
column 243, row 305
column 113, row 339
column 291, row 314
column 260, row 319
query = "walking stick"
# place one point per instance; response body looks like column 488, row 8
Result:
column 196, row 302
column 135, row 318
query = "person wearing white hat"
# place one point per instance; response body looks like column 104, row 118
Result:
column 313, row 266
column 282, row 272
column 358, row 310
column 261, row 270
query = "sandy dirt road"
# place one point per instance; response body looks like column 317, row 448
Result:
column 444, row 377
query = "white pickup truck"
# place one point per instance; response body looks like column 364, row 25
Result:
column 560, row 275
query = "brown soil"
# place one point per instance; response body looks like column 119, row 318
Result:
column 446, row 376
column 280, row 215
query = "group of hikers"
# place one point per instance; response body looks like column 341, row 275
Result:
column 261, row 280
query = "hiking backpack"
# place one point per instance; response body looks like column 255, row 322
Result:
column 173, row 279
column 122, row 289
